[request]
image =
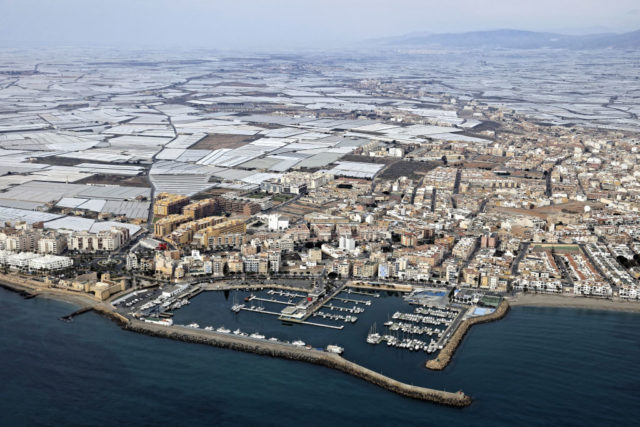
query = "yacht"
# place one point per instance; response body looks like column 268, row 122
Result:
column 373, row 337
column 335, row 349
column 299, row 343
column 223, row 330
column 257, row 336
column 193, row 325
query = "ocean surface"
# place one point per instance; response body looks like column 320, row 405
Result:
column 538, row 366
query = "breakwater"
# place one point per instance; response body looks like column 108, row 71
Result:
column 446, row 354
column 256, row 346
column 291, row 352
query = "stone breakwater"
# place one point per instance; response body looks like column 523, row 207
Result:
column 291, row 352
column 446, row 354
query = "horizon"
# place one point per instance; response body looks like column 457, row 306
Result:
column 286, row 24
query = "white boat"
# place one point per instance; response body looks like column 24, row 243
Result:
column 335, row 349
column 158, row 321
column 299, row 343
column 257, row 336
column 373, row 337
column 208, row 328
column 237, row 332
column 223, row 330
column 193, row 325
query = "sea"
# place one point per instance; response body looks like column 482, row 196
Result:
column 537, row 366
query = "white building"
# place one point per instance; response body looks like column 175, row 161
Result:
column 50, row 262
column 20, row 259
column 347, row 243
column 276, row 222
column 106, row 240
column 132, row 261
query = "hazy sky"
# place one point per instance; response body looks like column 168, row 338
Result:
column 290, row 23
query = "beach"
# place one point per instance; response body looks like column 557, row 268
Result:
column 565, row 301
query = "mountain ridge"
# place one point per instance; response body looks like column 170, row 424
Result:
column 515, row 39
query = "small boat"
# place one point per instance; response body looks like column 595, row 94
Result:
column 299, row 343
column 335, row 349
column 257, row 336
column 223, row 330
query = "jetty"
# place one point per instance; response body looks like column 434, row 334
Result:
column 69, row 317
column 291, row 352
column 446, row 354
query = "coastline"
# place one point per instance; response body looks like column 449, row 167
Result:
column 80, row 301
column 562, row 301
column 329, row 360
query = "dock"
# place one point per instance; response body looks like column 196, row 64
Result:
column 273, row 300
column 367, row 294
column 255, row 310
column 322, row 325
column 355, row 301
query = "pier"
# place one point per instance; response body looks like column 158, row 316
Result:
column 375, row 294
column 69, row 317
column 322, row 325
column 256, row 310
column 355, row 301
column 273, row 300
column 287, row 351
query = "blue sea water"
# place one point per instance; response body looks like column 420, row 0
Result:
column 538, row 366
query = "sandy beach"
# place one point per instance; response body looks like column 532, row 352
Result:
column 542, row 300
column 76, row 299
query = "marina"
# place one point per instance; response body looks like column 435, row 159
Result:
column 483, row 356
column 371, row 327
column 407, row 332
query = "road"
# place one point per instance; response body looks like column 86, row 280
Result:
column 524, row 247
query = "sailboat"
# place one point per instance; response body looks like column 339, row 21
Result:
column 373, row 337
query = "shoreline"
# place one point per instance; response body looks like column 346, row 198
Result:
column 562, row 301
column 280, row 350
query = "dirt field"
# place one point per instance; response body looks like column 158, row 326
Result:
column 409, row 169
column 215, row 141
column 131, row 181
column 60, row 161
column 544, row 211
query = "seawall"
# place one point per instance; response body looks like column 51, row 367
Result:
column 446, row 354
column 291, row 352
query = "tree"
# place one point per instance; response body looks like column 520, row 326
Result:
column 444, row 159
